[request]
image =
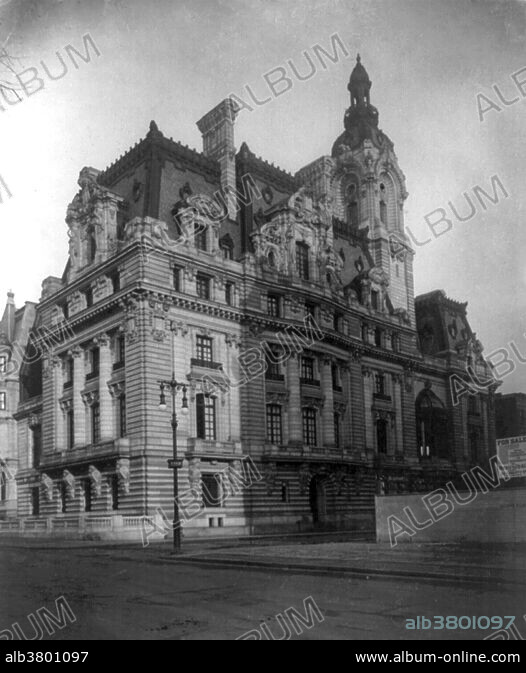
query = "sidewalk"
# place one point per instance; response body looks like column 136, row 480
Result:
column 503, row 564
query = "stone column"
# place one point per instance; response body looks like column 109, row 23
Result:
column 367, row 374
column 105, row 401
column 295, row 416
column 328, row 405
column 58, row 415
column 79, row 411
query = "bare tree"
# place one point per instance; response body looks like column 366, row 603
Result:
column 8, row 70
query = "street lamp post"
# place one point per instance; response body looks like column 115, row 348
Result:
column 174, row 387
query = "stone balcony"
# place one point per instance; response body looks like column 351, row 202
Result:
column 203, row 448
column 112, row 449
column 303, row 454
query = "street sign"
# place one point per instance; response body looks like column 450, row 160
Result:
column 512, row 453
column 178, row 463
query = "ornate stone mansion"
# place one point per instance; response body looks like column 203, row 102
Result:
column 215, row 260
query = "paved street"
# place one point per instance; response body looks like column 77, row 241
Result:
column 134, row 593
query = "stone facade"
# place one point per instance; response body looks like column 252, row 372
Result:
column 510, row 415
column 286, row 306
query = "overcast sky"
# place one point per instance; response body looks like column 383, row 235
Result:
column 173, row 60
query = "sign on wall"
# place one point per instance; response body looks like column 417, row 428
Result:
column 512, row 453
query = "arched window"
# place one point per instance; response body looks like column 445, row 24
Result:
column 432, row 423
column 351, row 198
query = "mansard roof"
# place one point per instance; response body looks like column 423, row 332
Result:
column 266, row 170
column 440, row 297
column 155, row 140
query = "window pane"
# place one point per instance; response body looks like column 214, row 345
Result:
column 206, row 417
column 95, row 423
column 273, row 305
column 274, row 430
column 211, row 490
column 302, row 260
column 204, row 349
column 309, row 427
column 203, row 287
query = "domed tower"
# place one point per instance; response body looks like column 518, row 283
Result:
column 368, row 191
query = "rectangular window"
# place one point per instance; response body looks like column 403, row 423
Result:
column 206, row 417
column 379, row 384
column 211, row 490
column 285, row 492
column 86, row 492
column 35, row 501
column 302, row 260
column 89, row 297
column 68, row 372
column 274, row 429
column 122, row 416
column 94, row 358
column 114, row 492
column 378, row 337
column 309, row 427
column 203, row 286
column 63, row 497
column 229, row 293
column 337, row 430
column 335, row 372
column 95, row 423
column 177, row 274
column 3, row 487
column 204, row 349
column 374, row 300
column 273, row 370
column 70, row 428
column 120, row 352
column 273, row 305
column 338, row 322
column 115, row 278
column 381, row 435
column 3, row 364
column 307, row 369
column 3, row 401
column 200, row 236
column 310, row 310
column 36, row 443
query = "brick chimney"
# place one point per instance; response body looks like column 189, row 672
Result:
column 217, row 129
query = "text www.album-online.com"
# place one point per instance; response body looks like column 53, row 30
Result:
column 406, row 657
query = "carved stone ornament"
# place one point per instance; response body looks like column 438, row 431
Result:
column 123, row 474
column 69, row 481
column 270, row 475
column 96, row 480
column 47, row 487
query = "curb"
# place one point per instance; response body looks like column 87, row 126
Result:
column 338, row 571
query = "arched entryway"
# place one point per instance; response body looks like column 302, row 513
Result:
column 318, row 498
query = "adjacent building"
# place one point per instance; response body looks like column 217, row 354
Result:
column 510, row 414
column 285, row 306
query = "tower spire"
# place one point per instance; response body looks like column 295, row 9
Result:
column 359, row 85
